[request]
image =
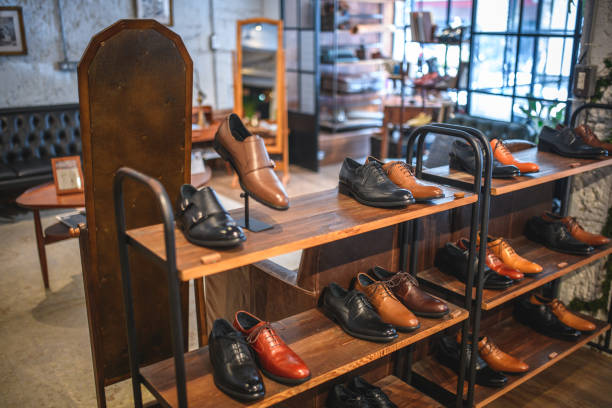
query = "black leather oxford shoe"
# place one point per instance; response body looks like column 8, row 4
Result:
column 462, row 157
column 370, row 185
column 342, row 397
column 234, row 369
column 453, row 260
column 204, row 221
column 553, row 234
column 567, row 143
column 449, row 354
column 373, row 394
column 355, row 314
column 541, row 319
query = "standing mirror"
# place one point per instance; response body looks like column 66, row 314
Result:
column 259, row 85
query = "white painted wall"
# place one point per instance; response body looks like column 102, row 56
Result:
column 32, row 79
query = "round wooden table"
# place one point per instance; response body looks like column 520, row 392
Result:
column 45, row 197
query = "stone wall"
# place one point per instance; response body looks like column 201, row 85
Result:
column 592, row 192
column 33, row 79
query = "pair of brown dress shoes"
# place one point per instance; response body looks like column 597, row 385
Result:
column 248, row 156
column 397, row 298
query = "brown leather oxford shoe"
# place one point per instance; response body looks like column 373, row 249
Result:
column 504, row 156
column 406, row 288
column 577, row 231
column 588, row 136
column 496, row 358
column 565, row 316
column 390, row 309
column 401, row 174
column 248, row 156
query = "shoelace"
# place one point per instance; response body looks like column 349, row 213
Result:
column 405, row 168
column 270, row 335
column 502, row 147
column 556, row 305
column 572, row 223
column 399, row 277
column 239, row 346
column 355, row 296
column 490, row 348
column 378, row 172
column 382, row 287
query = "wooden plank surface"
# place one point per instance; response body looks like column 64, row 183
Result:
column 404, row 395
column 312, row 220
column 537, row 350
column 324, row 347
column 554, row 264
column 552, row 167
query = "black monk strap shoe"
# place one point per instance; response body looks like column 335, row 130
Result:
column 453, row 260
column 449, row 354
column 542, row 319
column 370, row 185
column 204, row 221
column 567, row 143
column 234, row 369
column 554, row 235
column 342, row 397
column 373, row 394
column 462, row 157
column 355, row 314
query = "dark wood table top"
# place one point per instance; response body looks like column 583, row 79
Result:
column 45, row 197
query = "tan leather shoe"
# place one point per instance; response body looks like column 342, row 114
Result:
column 576, row 230
column 390, row 309
column 588, row 136
column 565, row 316
column 504, row 251
column 400, row 174
column 503, row 155
column 497, row 359
column 248, row 156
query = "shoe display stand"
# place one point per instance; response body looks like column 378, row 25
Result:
column 513, row 202
column 313, row 220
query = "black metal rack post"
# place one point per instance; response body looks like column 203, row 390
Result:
column 480, row 215
column 123, row 240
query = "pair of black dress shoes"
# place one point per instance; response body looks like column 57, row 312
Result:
column 449, row 354
column 358, row 394
column 553, row 234
column 541, row 318
column 565, row 142
column 234, row 369
column 463, row 157
column 370, row 185
column 204, row 221
column 352, row 311
column 453, row 260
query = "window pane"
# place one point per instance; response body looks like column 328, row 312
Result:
column 291, row 48
column 555, row 15
column 461, row 12
column 307, row 94
column 291, row 13
column 551, row 113
column 292, row 90
column 498, row 16
column 437, row 9
column 491, row 106
column 307, row 51
column 493, row 65
column 307, row 13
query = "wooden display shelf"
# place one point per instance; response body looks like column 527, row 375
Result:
column 537, row 350
column 555, row 264
column 312, row 336
column 312, row 220
column 404, row 395
column 552, row 167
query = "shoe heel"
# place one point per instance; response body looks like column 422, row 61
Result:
column 220, row 149
column 344, row 189
column 545, row 146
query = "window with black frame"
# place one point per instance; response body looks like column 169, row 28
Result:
column 519, row 59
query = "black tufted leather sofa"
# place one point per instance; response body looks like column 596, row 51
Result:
column 30, row 137
column 493, row 129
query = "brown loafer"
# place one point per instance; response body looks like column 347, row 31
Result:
column 390, row 309
column 248, row 156
column 401, row 174
column 577, row 231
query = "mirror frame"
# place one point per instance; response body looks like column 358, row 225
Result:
column 280, row 144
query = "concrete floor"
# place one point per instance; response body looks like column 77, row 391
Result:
column 45, row 358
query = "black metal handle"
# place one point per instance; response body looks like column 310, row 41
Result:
column 587, row 106
column 123, row 240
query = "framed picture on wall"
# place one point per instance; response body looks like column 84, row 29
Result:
column 160, row 10
column 12, row 33
column 67, row 174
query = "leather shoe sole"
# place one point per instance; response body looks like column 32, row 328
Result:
column 346, row 190
column 436, row 315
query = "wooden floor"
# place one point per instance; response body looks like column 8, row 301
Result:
column 582, row 380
